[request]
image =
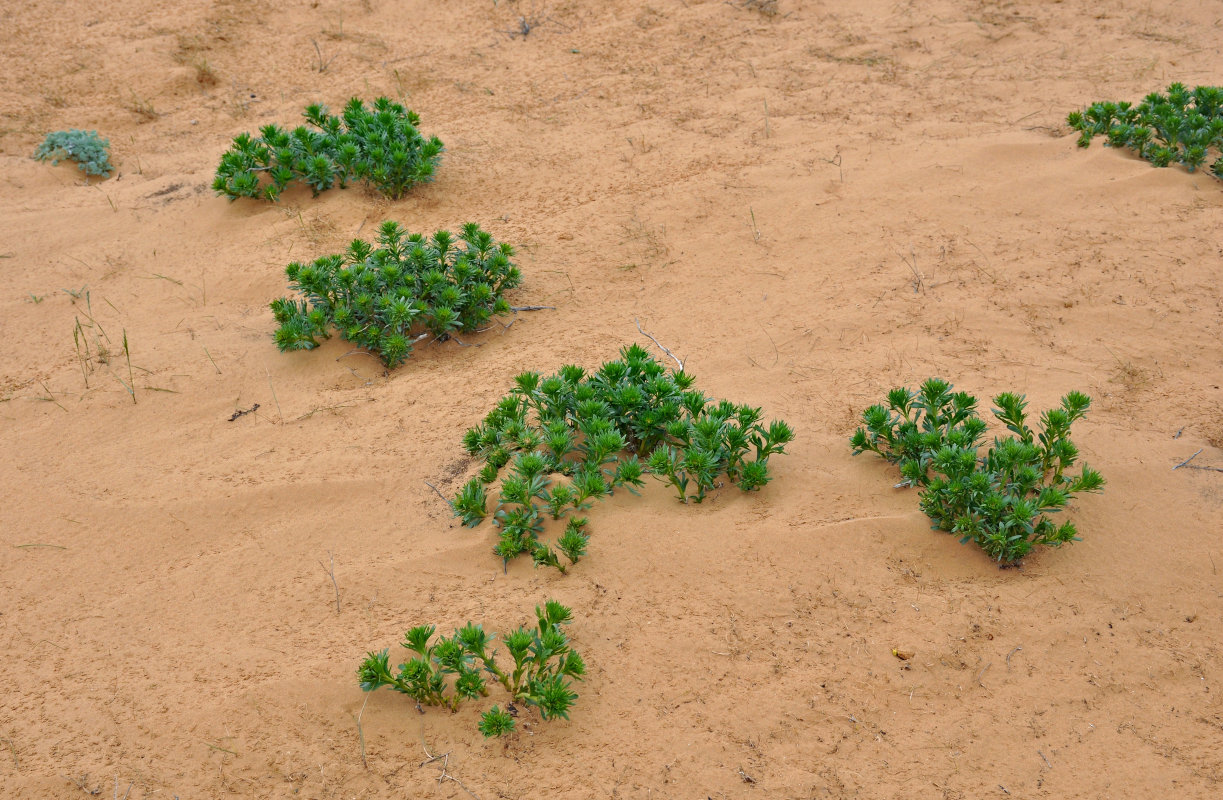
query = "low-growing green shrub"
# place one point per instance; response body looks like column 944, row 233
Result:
column 1181, row 127
column 452, row 669
column 380, row 297
column 1000, row 499
column 379, row 144
column 90, row 151
column 573, row 438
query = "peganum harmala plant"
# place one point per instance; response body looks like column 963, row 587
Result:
column 379, row 144
column 380, row 297
column 573, row 438
column 449, row 670
column 1182, row 126
column 999, row 499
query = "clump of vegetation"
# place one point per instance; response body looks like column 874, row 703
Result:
column 1180, row 127
column 571, row 439
column 999, row 499
column 766, row 7
column 380, row 144
column 90, row 151
column 380, row 297
column 450, row 670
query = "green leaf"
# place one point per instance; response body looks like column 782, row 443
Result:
column 417, row 639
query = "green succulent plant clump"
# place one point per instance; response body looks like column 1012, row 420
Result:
column 90, row 151
column 447, row 671
column 1000, row 498
column 379, row 296
column 380, row 144
column 1181, row 127
column 570, row 439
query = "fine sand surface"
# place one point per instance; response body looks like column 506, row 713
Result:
column 810, row 207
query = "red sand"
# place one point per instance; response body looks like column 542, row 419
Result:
column 811, row 207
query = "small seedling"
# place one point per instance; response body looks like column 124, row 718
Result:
column 1001, row 499
column 573, row 438
column 450, row 670
column 379, row 298
column 1182, row 126
column 379, row 144
column 90, row 152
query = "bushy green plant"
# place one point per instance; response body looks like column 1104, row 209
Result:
column 1000, row 499
column 1180, row 127
column 379, row 144
column 380, row 297
column 449, row 670
column 90, row 151
column 573, row 438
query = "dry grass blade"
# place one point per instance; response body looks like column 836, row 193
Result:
column 660, row 344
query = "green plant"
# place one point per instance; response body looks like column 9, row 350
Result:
column 380, row 297
column 914, row 425
column 1182, row 126
column 1000, row 499
column 449, row 670
column 570, row 439
column 379, row 144
column 90, row 151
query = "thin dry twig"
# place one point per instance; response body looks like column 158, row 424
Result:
column 660, row 344
column 361, row 731
column 359, row 352
column 836, row 162
column 1187, row 465
column 1042, row 758
column 532, row 308
column 445, row 759
column 1008, row 657
column 981, row 674
column 526, row 24
column 1187, row 460
column 439, row 494
column 274, row 398
column 81, row 784
column 322, row 65
column 776, row 354
column 12, row 749
column 919, row 282
column 243, row 412
column 331, row 573
column 314, row 411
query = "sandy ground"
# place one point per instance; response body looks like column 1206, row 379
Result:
column 810, row 206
